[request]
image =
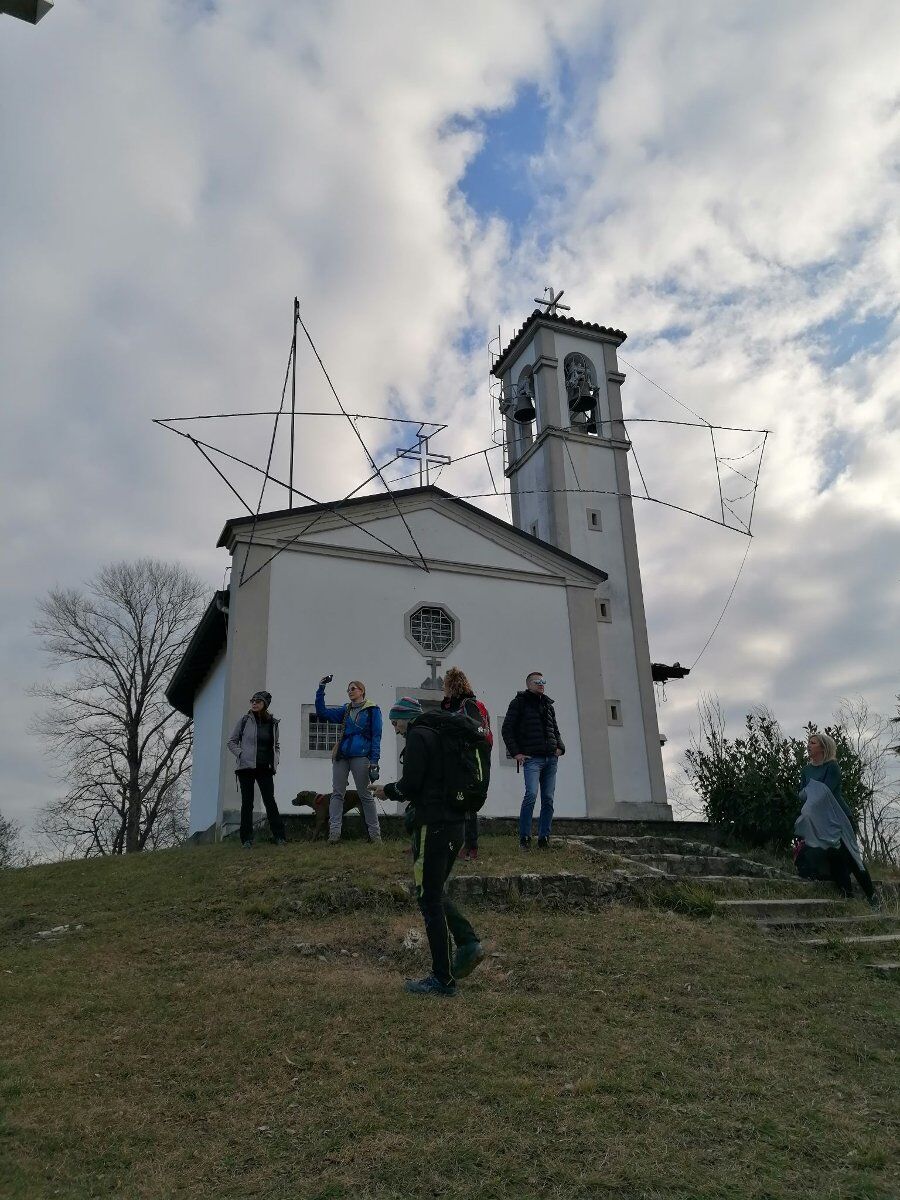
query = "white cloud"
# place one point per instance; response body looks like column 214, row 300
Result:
column 172, row 177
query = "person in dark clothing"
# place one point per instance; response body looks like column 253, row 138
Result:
column 533, row 739
column 459, row 697
column 254, row 743
column 437, row 836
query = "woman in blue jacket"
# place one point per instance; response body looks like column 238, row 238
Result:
column 357, row 753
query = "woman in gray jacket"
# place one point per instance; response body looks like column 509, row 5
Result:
column 254, row 743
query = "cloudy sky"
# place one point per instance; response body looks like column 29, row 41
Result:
column 721, row 180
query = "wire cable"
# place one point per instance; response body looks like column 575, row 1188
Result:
column 361, row 442
column 725, row 609
column 663, row 390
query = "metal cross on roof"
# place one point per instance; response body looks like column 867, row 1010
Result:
column 553, row 304
column 424, row 457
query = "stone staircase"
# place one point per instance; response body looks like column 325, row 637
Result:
column 671, row 856
column 809, row 914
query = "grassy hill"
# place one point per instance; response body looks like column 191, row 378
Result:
column 226, row 1024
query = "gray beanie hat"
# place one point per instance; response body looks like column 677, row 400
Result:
column 266, row 698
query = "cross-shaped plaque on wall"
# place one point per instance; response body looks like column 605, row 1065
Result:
column 434, row 683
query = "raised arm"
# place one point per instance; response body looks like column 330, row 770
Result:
column 323, row 711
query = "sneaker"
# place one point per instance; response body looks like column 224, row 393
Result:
column 463, row 854
column 467, row 958
column 333, row 841
column 429, row 986
column 543, row 843
column 281, row 841
column 246, row 845
column 473, row 854
column 525, row 843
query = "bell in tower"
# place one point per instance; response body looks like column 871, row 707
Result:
column 522, row 408
column 580, row 388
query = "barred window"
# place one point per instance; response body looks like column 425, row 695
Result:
column 317, row 737
column 432, row 628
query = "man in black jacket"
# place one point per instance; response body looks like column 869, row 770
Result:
column 437, row 831
column 532, row 738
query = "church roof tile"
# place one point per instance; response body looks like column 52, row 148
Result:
column 559, row 322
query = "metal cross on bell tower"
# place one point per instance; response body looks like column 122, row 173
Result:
column 424, row 457
column 552, row 305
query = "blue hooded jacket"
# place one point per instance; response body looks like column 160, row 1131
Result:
column 362, row 733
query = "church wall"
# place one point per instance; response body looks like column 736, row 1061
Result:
column 346, row 617
column 208, row 702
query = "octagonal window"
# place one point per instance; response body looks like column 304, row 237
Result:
column 432, row 628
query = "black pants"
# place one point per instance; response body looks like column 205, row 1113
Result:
column 843, row 864
column 435, row 848
column 471, row 831
column 266, row 781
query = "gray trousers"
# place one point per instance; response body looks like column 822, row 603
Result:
column 341, row 769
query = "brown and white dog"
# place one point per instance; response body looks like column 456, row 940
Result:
column 319, row 804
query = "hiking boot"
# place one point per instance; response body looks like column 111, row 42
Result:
column 429, row 986
column 281, row 841
column 543, row 843
column 525, row 843
column 246, row 845
column 467, row 958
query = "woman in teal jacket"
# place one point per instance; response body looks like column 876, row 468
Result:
column 356, row 753
column 838, row 861
column 823, row 768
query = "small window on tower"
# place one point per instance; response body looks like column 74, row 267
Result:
column 604, row 612
column 594, row 519
column 613, row 712
column 534, row 529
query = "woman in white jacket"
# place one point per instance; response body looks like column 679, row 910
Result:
column 254, row 743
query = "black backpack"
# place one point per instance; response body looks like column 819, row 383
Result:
column 466, row 758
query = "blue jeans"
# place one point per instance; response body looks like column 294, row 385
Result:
column 543, row 771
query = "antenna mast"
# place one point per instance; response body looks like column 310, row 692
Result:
column 293, row 401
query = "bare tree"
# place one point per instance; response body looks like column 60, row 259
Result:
column 124, row 750
column 870, row 736
column 11, row 853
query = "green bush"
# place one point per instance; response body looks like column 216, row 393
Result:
column 749, row 785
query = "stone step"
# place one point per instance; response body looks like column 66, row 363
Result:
column 869, row 939
column 630, row 846
column 777, row 907
column 777, row 924
column 697, row 864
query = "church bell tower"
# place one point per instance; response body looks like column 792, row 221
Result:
column 567, row 463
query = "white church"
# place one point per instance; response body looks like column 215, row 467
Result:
column 557, row 591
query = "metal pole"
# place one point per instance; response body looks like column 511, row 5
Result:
column 293, row 402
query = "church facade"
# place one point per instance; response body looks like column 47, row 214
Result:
column 557, row 591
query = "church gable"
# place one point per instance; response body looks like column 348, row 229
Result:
column 446, row 530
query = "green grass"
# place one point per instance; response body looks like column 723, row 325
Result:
column 232, row 1025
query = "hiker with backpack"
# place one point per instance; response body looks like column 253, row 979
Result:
column 445, row 774
column 254, row 743
column 533, row 739
column 356, row 752
column 459, row 696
